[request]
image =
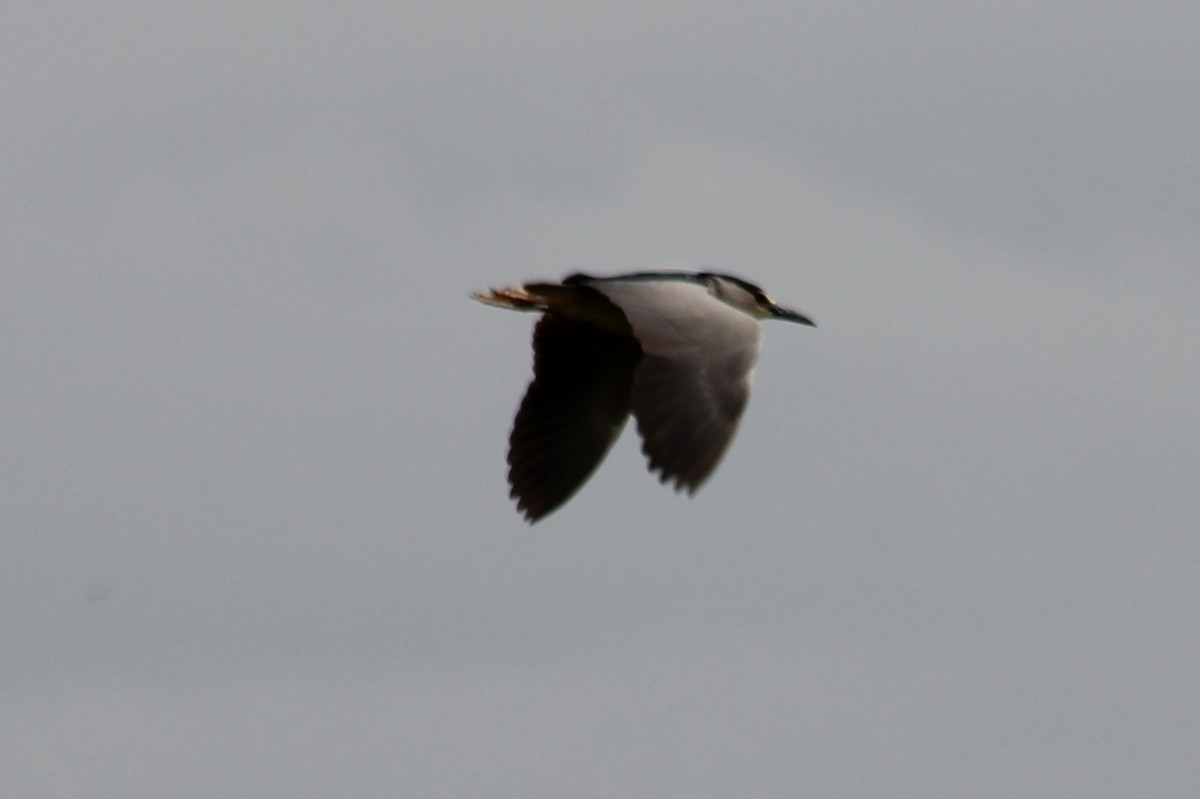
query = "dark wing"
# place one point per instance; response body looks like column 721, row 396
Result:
column 687, row 411
column 572, row 413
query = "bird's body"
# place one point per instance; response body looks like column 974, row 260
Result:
column 675, row 349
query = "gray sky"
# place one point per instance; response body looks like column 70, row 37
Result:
column 252, row 431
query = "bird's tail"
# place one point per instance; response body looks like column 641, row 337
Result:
column 530, row 297
column 518, row 299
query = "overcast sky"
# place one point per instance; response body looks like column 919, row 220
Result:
column 257, row 538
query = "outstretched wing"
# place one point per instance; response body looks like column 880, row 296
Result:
column 687, row 411
column 572, row 412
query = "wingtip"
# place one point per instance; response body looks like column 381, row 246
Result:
column 532, row 515
column 679, row 483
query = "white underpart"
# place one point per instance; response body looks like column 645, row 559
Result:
column 676, row 318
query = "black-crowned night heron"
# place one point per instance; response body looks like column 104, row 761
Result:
column 677, row 349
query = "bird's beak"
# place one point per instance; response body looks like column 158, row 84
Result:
column 788, row 315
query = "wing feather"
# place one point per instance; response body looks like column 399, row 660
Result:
column 572, row 412
column 687, row 412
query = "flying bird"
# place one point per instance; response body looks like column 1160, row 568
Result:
column 675, row 349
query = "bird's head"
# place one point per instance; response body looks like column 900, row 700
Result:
column 750, row 299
